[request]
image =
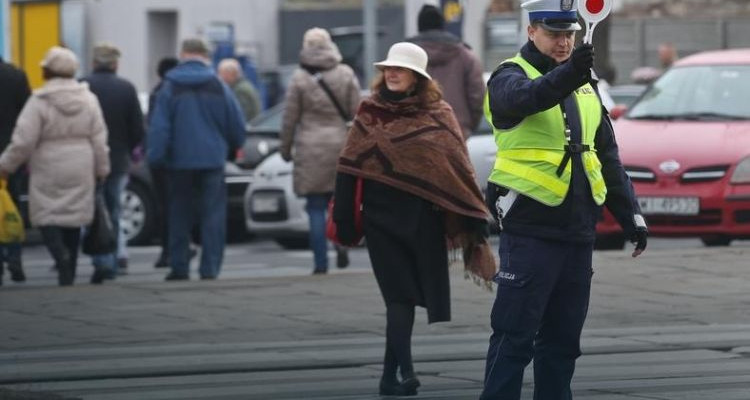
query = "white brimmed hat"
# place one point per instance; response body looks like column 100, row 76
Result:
column 406, row 55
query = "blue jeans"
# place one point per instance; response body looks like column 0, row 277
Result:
column 208, row 188
column 541, row 305
column 316, row 210
column 111, row 189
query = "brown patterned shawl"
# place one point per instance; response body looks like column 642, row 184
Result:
column 421, row 150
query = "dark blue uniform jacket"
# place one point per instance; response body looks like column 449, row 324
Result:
column 513, row 96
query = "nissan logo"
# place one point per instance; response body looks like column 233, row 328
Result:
column 669, row 166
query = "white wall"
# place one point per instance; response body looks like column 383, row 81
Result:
column 124, row 23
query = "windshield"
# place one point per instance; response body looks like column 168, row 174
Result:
column 269, row 120
column 716, row 92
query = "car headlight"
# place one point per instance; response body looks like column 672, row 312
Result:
column 742, row 172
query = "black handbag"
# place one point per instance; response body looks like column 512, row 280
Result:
column 100, row 237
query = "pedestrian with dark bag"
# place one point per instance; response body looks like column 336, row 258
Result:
column 62, row 134
column 420, row 201
column 321, row 99
column 100, row 237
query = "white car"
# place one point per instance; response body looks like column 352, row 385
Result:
column 271, row 207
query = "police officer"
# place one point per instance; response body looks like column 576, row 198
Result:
column 557, row 164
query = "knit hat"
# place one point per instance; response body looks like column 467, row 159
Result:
column 430, row 17
column 316, row 37
column 406, row 55
column 106, row 53
column 60, row 61
column 195, row 46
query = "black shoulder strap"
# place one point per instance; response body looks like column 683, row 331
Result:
column 319, row 78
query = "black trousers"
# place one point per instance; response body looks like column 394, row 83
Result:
column 62, row 243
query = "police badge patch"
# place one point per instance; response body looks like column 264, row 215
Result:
column 566, row 5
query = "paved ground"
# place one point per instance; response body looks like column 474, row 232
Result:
column 673, row 324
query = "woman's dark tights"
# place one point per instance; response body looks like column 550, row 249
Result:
column 400, row 321
column 62, row 243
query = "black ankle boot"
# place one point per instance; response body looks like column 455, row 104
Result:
column 65, row 272
column 64, row 276
column 100, row 273
column 388, row 387
column 16, row 271
column 408, row 387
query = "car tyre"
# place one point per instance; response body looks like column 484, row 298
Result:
column 609, row 242
column 293, row 243
column 716, row 240
column 139, row 219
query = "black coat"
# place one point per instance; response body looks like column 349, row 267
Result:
column 405, row 237
column 13, row 95
column 513, row 96
column 122, row 114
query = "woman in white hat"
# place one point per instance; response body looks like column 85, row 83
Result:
column 420, row 200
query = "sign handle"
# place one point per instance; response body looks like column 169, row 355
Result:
column 588, row 38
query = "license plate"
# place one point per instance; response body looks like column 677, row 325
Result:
column 669, row 205
column 265, row 204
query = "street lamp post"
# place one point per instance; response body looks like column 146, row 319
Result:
column 370, row 18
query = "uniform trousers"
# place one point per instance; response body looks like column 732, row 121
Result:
column 539, row 311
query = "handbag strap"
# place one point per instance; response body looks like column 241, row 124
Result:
column 318, row 77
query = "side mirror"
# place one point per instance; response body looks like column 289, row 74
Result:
column 618, row 111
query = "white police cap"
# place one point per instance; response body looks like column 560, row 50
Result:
column 554, row 15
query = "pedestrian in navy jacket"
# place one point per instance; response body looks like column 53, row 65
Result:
column 122, row 113
column 195, row 123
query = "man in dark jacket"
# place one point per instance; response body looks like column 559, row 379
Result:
column 159, row 174
column 557, row 165
column 124, row 119
column 454, row 65
column 15, row 91
column 195, row 123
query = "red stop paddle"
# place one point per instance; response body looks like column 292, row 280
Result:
column 594, row 11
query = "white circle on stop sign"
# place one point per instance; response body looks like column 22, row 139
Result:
column 594, row 10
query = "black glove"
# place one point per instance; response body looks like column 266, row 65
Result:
column 583, row 58
column 478, row 228
column 639, row 238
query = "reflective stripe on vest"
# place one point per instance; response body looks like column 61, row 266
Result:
column 530, row 153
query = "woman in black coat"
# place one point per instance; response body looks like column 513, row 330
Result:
column 420, row 200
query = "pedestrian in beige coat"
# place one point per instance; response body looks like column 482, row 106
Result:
column 314, row 131
column 62, row 135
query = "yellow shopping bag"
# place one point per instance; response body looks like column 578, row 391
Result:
column 11, row 223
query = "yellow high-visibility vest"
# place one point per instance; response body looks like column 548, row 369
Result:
column 530, row 153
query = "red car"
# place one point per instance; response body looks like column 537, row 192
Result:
column 686, row 146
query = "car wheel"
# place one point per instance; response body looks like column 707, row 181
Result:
column 716, row 240
column 609, row 242
column 293, row 243
column 139, row 219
